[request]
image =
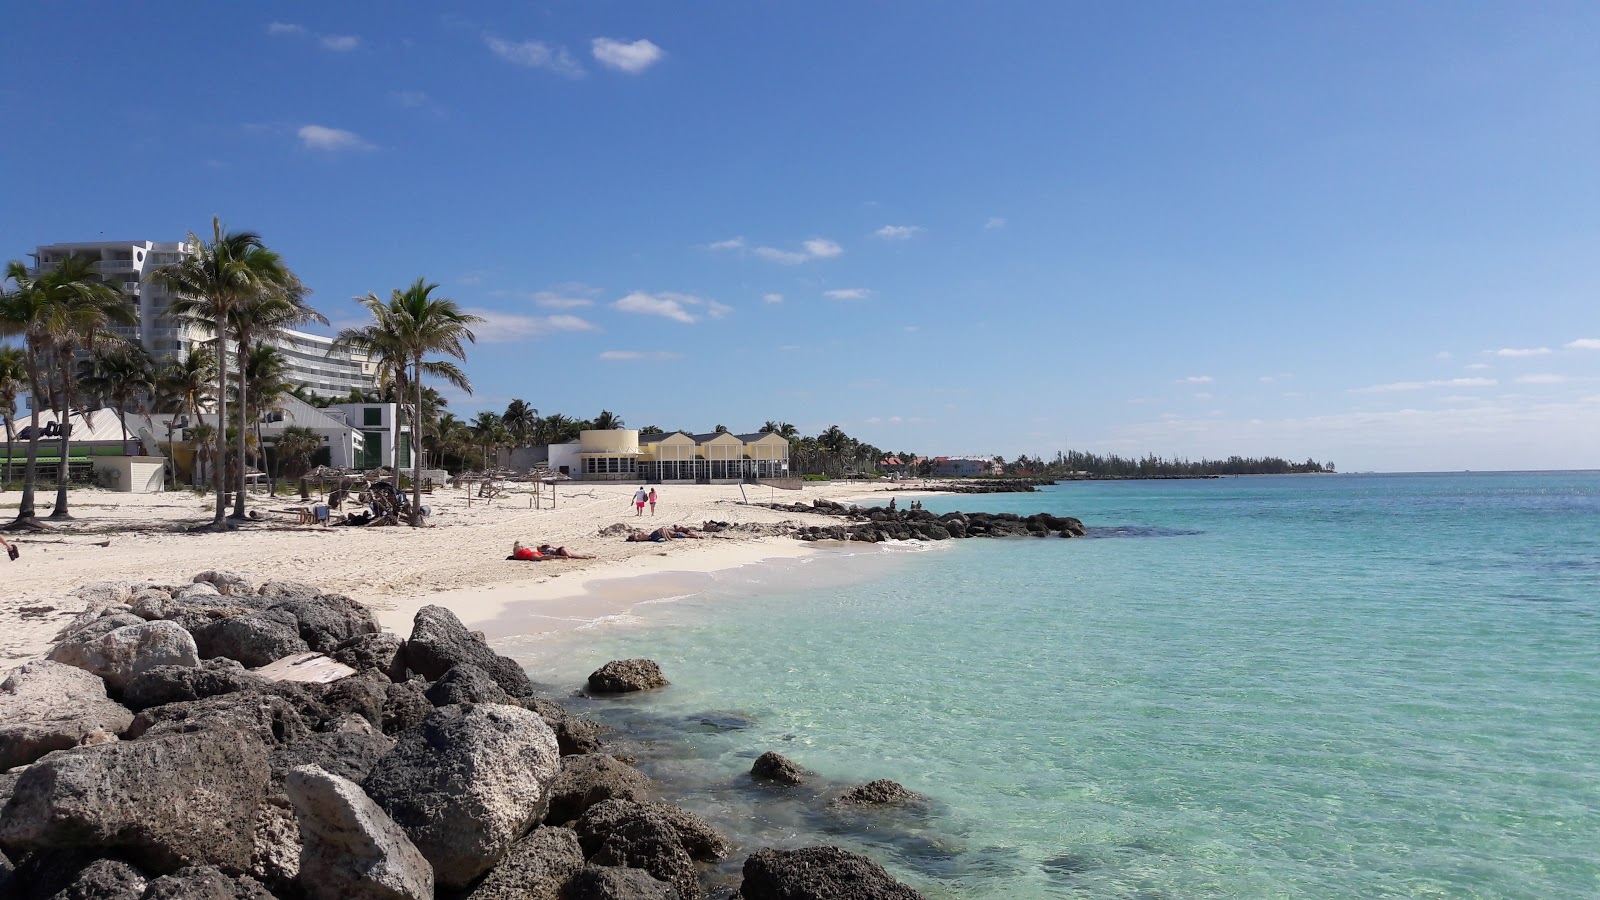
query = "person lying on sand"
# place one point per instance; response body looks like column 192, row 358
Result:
column 524, row 553
column 561, row 552
column 664, row 533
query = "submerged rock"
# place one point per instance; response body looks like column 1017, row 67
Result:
column 882, row 792
column 47, row 706
column 773, row 766
column 818, row 873
column 627, row 675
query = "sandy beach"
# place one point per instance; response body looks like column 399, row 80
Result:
column 458, row 561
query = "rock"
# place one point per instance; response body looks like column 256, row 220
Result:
column 205, row 883
column 272, row 720
column 615, row 883
column 254, row 639
column 94, row 622
column 161, row 803
column 818, row 873
column 648, row 842
column 625, row 675
column 697, row 837
column 151, row 604
column 47, row 706
column 328, row 620
column 8, row 878
column 439, row 642
column 590, row 779
column 122, row 653
column 574, row 734
column 349, row 756
column 199, row 590
column 105, row 593
column 351, row 847
column 382, row 650
column 405, row 705
column 46, row 872
column 229, row 584
column 882, row 792
column 467, row 783
column 105, row 879
column 161, row 685
column 466, row 683
column 275, row 847
column 274, row 592
column 536, row 868
column 773, row 766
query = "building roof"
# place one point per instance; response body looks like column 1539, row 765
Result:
column 759, row 435
column 713, row 435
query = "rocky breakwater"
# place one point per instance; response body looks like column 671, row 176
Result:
column 982, row 486
column 222, row 740
column 874, row 524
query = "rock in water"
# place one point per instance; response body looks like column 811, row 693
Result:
column 882, row 792
column 624, row 675
column 590, row 779
column 439, row 642
column 537, row 868
column 122, row 653
column 161, row 803
column 47, row 706
column 773, row 766
column 818, row 873
column 352, row 850
column 466, row 783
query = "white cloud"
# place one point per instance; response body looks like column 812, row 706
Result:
column 729, row 244
column 632, row 355
column 786, row 257
column 1203, row 395
column 717, row 310
column 1476, row 366
column 340, row 42
column 633, row 58
column 994, row 222
column 1196, row 379
column 552, row 300
column 285, row 28
column 898, row 232
column 1424, row 385
column 670, row 305
column 1543, row 379
column 822, row 248
column 847, row 294
column 535, row 55
column 413, row 100
column 319, row 137
column 1526, row 351
column 1584, row 344
column 771, row 298
column 505, row 328
column 1267, row 379
column 1442, row 354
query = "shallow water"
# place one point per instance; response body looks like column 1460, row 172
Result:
column 1344, row 686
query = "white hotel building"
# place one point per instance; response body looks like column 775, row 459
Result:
column 312, row 362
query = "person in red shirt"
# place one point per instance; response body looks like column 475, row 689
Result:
column 527, row 554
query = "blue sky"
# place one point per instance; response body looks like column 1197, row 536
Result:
column 1364, row 232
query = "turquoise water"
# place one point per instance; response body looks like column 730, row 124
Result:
column 1342, row 686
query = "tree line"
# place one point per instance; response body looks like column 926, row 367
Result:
column 1079, row 463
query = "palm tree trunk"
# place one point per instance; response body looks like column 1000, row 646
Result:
column 416, row 444
column 244, row 406
column 63, row 470
column 26, row 516
column 218, row 478
column 11, row 437
column 122, row 413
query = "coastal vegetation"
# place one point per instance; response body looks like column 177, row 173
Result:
column 1080, row 464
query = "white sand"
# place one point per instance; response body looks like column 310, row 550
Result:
column 459, row 561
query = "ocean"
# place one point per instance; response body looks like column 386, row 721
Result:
column 1300, row 686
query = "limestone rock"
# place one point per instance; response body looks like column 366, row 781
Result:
column 351, row 847
column 382, row 650
column 818, row 873
column 698, row 838
column 196, row 591
column 282, row 591
column 537, row 868
column 882, row 792
column 344, row 754
column 772, row 766
column 439, row 642
column 626, row 675
column 229, row 584
column 161, row 685
column 466, row 783
column 616, row 883
column 466, row 683
column 327, row 620
column 405, row 705
column 590, row 779
column 205, row 883
column 162, row 803
column 644, row 841
column 122, row 653
column 275, row 848
column 254, row 639
column 269, row 719
column 105, row 879
column 574, row 733
column 47, row 706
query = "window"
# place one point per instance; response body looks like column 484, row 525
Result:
column 372, row 417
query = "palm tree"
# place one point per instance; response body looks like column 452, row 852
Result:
column 13, row 375
column 607, row 420
column 207, row 285
column 650, row 430
column 122, row 374
column 488, row 430
column 266, row 379
column 412, row 325
column 264, row 314
column 521, row 420
column 781, row 429
column 203, row 440
column 184, row 385
column 296, row 446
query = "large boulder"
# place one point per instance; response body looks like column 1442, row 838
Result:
column 590, row 779
column 352, row 850
column 284, row 591
column 229, row 584
column 695, row 834
column 466, row 683
column 122, row 653
column 818, row 873
column 272, row 720
column 382, row 650
column 618, row 883
column 275, row 854
column 439, row 642
column 467, row 783
column 537, row 868
column 161, row 804
column 96, row 621
column 104, row 879
column 574, row 733
column 349, row 755
column 253, row 639
column 328, row 620
column 645, row 841
column 205, row 883
column 625, row 675
column 47, row 706
column 405, row 705
column 161, row 685
column 882, row 792
column 773, row 766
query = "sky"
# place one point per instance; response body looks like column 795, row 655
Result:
column 1360, row 232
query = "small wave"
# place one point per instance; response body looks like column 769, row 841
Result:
column 618, row 619
column 674, row 598
column 1137, row 531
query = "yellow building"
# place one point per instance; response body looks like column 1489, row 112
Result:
column 621, row 455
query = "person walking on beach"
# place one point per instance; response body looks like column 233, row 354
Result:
column 652, row 501
column 640, row 498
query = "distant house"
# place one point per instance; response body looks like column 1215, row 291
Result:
column 965, row 466
column 620, row 454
